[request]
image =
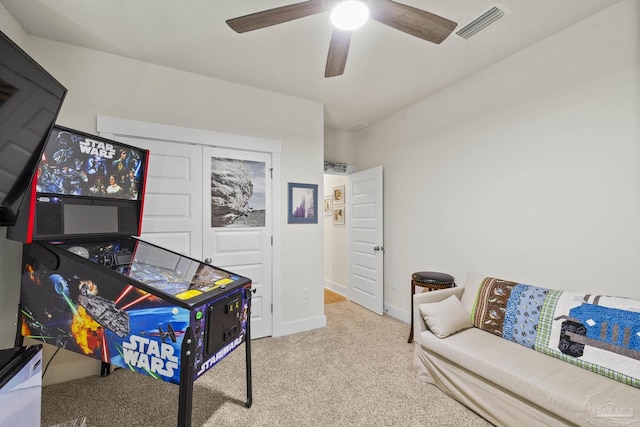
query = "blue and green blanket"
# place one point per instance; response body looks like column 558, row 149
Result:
column 595, row 332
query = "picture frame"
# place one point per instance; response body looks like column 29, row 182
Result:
column 338, row 214
column 338, row 195
column 328, row 206
column 303, row 203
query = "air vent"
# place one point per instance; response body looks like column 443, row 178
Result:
column 358, row 127
column 487, row 17
column 338, row 168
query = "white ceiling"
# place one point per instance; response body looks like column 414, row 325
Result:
column 386, row 70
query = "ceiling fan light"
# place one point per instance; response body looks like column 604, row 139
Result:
column 349, row 15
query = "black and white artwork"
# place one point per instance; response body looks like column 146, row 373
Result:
column 238, row 193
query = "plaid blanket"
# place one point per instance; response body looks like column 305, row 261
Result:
column 595, row 332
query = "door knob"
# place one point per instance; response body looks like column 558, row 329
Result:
column 207, row 260
column 378, row 248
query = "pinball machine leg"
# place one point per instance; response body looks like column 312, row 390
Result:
column 248, row 356
column 248, row 362
column 105, row 369
column 185, row 396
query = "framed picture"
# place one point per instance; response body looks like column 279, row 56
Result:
column 338, row 214
column 327, row 206
column 338, row 195
column 303, row 203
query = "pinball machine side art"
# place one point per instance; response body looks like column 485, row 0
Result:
column 84, row 310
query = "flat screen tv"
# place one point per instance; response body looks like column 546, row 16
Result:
column 30, row 99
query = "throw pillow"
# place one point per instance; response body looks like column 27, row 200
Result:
column 445, row 317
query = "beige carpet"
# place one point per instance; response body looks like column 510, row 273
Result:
column 355, row 372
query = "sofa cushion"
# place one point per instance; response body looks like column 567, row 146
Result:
column 596, row 332
column 537, row 379
column 445, row 317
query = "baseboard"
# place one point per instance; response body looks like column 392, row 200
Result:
column 342, row 290
column 397, row 313
column 81, row 367
column 300, row 326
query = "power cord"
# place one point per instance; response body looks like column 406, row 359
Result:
column 49, row 362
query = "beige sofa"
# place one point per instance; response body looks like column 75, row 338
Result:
column 507, row 383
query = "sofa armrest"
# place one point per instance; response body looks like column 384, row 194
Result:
column 426, row 297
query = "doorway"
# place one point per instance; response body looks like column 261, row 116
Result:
column 353, row 237
column 336, row 239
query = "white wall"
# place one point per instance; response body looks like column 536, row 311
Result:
column 528, row 170
column 336, row 243
column 340, row 146
column 114, row 86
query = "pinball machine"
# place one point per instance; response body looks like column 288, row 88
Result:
column 91, row 285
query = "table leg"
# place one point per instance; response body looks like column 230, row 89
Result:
column 413, row 291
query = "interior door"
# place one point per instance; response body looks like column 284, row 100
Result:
column 366, row 252
column 237, row 223
column 172, row 216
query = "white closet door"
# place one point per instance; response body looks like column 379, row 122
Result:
column 237, row 223
column 172, row 216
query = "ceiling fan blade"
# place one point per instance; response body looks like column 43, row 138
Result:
column 338, row 51
column 270, row 17
column 417, row 22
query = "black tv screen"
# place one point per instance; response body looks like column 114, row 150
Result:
column 30, row 99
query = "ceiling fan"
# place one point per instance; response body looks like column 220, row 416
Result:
column 409, row 20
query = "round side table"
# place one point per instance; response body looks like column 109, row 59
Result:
column 431, row 280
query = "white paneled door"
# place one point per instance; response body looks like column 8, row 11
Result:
column 172, row 216
column 237, row 223
column 366, row 251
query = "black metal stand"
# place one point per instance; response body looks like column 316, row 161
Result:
column 247, row 344
column 105, row 369
column 185, row 394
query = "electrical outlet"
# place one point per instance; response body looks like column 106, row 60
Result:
column 305, row 293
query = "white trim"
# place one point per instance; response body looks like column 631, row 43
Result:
column 397, row 313
column 341, row 289
column 301, row 325
column 137, row 128
column 109, row 127
column 275, row 250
